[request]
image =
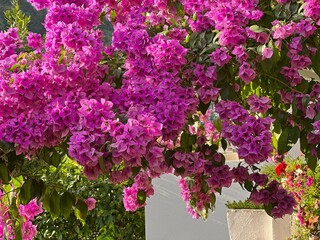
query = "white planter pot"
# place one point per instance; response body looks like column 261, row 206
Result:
column 255, row 224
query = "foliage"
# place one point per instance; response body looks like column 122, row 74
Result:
column 17, row 19
column 108, row 221
column 304, row 184
column 143, row 106
column 36, row 17
column 247, row 204
column 16, row 217
column 269, row 170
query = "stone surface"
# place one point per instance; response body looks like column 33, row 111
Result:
column 255, row 224
column 249, row 224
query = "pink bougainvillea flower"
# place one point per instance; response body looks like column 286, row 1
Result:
column 267, row 53
column 91, row 203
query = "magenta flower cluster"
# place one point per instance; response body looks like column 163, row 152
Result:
column 251, row 135
column 281, row 202
column 138, row 108
column 27, row 213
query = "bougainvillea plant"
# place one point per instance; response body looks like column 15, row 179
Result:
column 303, row 183
column 142, row 107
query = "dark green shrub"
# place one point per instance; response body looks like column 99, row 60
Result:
column 108, row 221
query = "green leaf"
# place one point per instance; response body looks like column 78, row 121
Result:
column 179, row 8
column 187, row 141
column 144, row 163
column 266, row 65
column 283, row 141
column 203, row 213
column 312, row 162
column 25, row 192
column 18, row 230
column 194, row 17
column 81, row 210
column 62, row 57
column 276, row 56
column 37, row 188
column 55, row 159
column 17, row 181
column 294, row 134
column 168, row 157
column 260, row 48
column 214, row 147
column 45, row 154
column 6, row 147
column 274, row 141
column 66, row 203
column 295, row 110
column 277, row 128
column 294, row 7
column 209, row 36
column 218, row 125
column 193, row 39
column 227, row 93
column 203, row 107
column 4, row 173
column 287, row 139
column 54, row 204
column 316, row 63
column 303, row 86
column 201, row 43
column 113, row 15
column 213, row 202
column 218, row 190
column 102, row 16
column 184, row 141
column 46, row 199
column 180, row 170
column 268, row 208
column 304, row 143
column 256, row 29
column 255, row 168
column 282, row 11
column 223, row 159
column 248, row 185
column 305, row 101
column 102, row 165
column 135, row 171
column 16, row 219
column 141, row 197
column 224, row 144
column 192, row 139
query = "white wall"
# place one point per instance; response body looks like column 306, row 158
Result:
column 167, row 217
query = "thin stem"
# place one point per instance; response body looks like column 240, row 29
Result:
column 278, row 80
column 4, row 194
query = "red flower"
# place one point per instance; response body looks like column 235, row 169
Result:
column 280, row 168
